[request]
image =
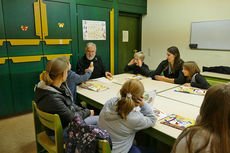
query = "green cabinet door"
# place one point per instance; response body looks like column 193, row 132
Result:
column 24, row 76
column 58, row 21
column 95, row 14
column 20, row 24
column 3, row 52
column 6, row 104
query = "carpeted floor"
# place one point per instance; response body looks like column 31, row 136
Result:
column 17, row 134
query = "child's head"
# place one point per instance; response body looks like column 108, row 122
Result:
column 56, row 69
column 190, row 68
column 65, row 59
column 139, row 55
column 130, row 92
column 213, row 124
column 215, row 109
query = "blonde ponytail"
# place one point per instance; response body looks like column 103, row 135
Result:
column 130, row 91
column 44, row 76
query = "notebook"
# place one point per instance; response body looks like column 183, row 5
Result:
column 177, row 121
column 191, row 90
column 93, row 86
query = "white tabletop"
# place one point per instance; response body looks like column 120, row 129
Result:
column 121, row 78
column 191, row 99
column 159, row 86
column 101, row 96
column 169, row 106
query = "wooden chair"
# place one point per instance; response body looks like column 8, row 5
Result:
column 103, row 146
column 51, row 121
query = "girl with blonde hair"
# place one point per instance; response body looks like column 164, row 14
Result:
column 211, row 134
column 120, row 118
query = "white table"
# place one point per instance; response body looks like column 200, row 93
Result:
column 161, row 132
column 159, row 86
column 191, row 99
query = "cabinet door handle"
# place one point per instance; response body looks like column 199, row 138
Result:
column 44, row 19
column 37, row 18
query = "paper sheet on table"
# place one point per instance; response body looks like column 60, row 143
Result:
column 103, row 79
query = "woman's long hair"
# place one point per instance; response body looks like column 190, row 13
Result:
column 177, row 61
column 214, row 122
column 130, row 91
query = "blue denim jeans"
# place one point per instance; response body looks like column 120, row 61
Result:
column 139, row 149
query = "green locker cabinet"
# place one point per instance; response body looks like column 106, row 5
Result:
column 24, row 77
column 58, row 32
column 6, row 104
column 96, row 14
column 23, row 44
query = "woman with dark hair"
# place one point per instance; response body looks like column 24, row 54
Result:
column 171, row 68
column 211, row 134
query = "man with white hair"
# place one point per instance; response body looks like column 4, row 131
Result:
column 90, row 57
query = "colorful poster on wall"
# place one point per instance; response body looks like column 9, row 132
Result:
column 94, row 30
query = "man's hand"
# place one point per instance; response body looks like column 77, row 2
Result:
column 108, row 74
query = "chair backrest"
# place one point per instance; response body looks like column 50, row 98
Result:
column 51, row 121
column 103, row 146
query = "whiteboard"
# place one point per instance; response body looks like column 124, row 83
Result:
column 211, row 34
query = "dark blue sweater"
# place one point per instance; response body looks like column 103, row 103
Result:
column 74, row 79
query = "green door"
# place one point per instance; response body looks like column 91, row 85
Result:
column 95, row 14
column 6, row 104
column 128, row 24
column 59, row 29
column 20, row 24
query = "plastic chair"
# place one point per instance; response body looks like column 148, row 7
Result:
column 103, row 146
column 51, row 121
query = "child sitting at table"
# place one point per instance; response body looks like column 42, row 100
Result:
column 137, row 65
column 211, row 134
column 195, row 79
column 120, row 118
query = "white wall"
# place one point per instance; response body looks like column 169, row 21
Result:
column 168, row 23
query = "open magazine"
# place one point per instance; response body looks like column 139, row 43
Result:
column 177, row 121
column 191, row 90
column 93, row 86
column 149, row 97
